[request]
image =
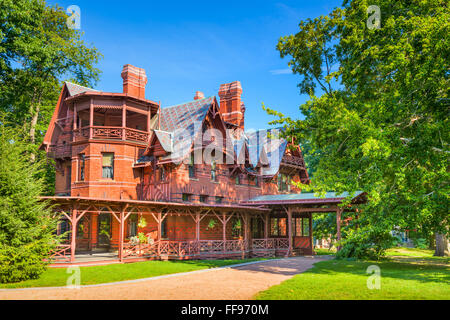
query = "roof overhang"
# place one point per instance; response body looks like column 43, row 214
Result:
column 160, row 204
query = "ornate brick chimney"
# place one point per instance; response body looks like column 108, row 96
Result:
column 134, row 81
column 231, row 106
column 199, row 95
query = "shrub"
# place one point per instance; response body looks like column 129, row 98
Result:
column 26, row 223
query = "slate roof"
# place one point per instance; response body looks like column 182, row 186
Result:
column 259, row 140
column 75, row 89
column 180, row 124
column 302, row 197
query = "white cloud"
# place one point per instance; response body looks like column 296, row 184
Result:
column 281, row 71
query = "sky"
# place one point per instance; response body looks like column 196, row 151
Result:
column 189, row 46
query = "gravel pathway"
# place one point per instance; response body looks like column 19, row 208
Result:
column 229, row 283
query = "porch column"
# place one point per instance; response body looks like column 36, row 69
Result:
column 122, row 221
column 338, row 226
column 289, row 217
column 197, row 226
column 266, row 226
column 124, row 118
column 74, row 234
column 224, row 232
column 91, row 118
column 74, row 127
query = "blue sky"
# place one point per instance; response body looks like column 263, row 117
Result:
column 186, row 46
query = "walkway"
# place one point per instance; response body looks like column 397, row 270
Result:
column 229, row 283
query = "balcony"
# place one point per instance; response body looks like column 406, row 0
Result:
column 111, row 133
column 60, row 151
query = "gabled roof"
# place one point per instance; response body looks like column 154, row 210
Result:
column 75, row 89
column 165, row 138
column 181, row 124
column 183, row 116
column 264, row 147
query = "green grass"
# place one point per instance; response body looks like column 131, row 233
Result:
column 325, row 252
column 54, row 277
column 402, row 277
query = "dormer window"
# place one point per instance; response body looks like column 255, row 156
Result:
column 161, row 174
column 108, row 165
column 213, row 171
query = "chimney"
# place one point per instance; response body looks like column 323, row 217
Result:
column 134, row 81
column 231, row 107
column 199, row 95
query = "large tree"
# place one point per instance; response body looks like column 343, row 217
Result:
column 378, row 113
column 37, row 51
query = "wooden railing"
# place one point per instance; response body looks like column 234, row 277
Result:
column 61, row 253
column 184, row 248
column 114, row 133
column 270, row 243
column 60, row 151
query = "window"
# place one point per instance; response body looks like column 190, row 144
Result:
column 203, row 198
column 282, row 181
column 161, row 174
column 278, row 226
column 219, row 200
column 185, row 197
column 213, row 171
column 253, row 180
column 191, row 167
column 301, row 227
column 132, row 225
column 82, row 166
column 238, row 179
column 108, row 165
column 274, row 226
column 164, row 228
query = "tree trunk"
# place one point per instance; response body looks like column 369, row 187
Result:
column 32, row 133
column 442, row 246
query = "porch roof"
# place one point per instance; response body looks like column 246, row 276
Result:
column 69, row 199
column 305, row 198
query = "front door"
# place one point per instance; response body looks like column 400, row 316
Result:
column 104, row 231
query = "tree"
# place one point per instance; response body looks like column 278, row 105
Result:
column 38, row 50
column 26, row 223
column 380, row 118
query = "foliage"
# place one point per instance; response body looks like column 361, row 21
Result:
column 211, row 224
column 26, row 224
column 377, row 117
column 37, row 52
column 142, row 222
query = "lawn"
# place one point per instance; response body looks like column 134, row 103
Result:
column 54, row 277
column 403, row 276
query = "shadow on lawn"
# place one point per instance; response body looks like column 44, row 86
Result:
column 392, row 269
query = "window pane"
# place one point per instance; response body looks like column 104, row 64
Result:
column 298, row 227
column 282, row 226
column 108, row 159
column 305, row 227
column 273, row 226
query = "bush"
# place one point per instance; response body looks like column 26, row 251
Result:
column 366, row 243
column 420, row 243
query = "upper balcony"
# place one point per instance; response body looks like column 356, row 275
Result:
column 116, row 117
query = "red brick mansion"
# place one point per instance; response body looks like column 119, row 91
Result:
column 143, row 181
